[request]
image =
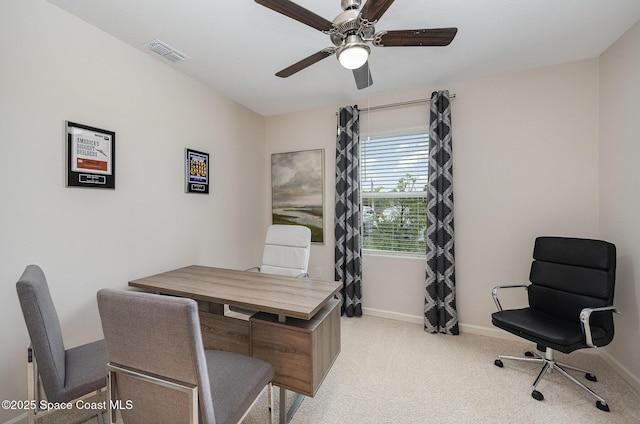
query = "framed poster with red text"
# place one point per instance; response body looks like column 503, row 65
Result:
column 91, row 157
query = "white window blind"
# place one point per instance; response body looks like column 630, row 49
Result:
column 394, row 175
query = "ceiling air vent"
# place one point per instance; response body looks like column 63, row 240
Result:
column 168, row 52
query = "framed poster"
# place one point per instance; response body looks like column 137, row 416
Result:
column 196, row 171
column 297, row 190
column 91, row 157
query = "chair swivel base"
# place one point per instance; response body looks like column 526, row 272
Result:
column 549, row 364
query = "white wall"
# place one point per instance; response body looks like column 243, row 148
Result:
column 55, row 67
column 525, row 164
column 619, row 187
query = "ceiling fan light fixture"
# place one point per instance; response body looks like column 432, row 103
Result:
column 354, row 53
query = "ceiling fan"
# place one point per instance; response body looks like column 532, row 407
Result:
column 351, row 33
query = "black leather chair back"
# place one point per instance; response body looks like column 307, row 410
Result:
column 570, row 274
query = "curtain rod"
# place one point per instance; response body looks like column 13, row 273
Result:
column 407, row 103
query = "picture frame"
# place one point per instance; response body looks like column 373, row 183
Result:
column 297, row 190
column 196, row 171
column 91, row 157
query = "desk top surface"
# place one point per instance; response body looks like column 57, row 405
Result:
column 276, row 294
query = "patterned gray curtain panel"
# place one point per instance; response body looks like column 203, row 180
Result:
column 440, row 315
column 348, row 253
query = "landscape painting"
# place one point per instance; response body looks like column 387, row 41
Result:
column 297, row 190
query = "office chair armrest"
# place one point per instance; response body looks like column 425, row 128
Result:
column 585, row 316
column 494, row 292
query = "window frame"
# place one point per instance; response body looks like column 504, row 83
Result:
column 420, row 132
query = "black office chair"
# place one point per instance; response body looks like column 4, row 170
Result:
column 570, row 305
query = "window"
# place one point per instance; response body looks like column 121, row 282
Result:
column 394, row 176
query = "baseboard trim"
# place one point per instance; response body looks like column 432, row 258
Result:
column 414, row 319
column 623, row 371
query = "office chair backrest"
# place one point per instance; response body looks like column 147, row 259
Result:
column 570, row 274
column 44, row 330
column 286, row 250
column 157, row 335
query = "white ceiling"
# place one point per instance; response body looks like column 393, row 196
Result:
column 236, row 46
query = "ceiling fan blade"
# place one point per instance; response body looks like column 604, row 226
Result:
column 374, row 9
column 297, row 12
column 306, row 62
column 363, row 76
column 417, row 37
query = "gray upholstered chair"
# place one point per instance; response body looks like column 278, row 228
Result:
column 65, row 374
column 158, row 364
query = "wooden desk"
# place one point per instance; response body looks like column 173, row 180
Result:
column 289, row 296
column 297, row 328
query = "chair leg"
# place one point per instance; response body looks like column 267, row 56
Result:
column 521, row 358
column 270, row 394
column 111, row 396
column 549, row 364
column 571, row 367
column 545, row 368
column 600, row 403
column 101, row 415
column 33, row 386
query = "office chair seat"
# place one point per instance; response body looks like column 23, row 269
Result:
column 546, row 330
column 86, row 370
column 226, row 369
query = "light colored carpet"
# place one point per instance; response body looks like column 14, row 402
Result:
column 393, row 372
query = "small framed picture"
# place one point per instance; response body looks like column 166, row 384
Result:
column 91, row 157
column 196, row 171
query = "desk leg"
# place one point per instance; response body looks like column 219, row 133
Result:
column 284, row 415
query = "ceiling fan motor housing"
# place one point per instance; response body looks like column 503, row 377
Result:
column 344, row 24
column 350, row 4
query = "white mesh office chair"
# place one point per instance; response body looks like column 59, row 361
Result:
column 286, row 252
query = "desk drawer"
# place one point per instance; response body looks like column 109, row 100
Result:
column 301, row 351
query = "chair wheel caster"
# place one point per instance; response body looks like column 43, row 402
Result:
column 529, row 354
column 590, row 377
column 538, row 396
column 602, row 406
column 498, row 363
